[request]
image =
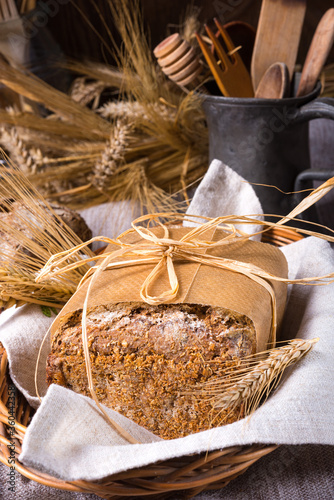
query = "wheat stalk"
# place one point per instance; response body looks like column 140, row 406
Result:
column 19, row 153
column 111, row 77
column 247, row 383
column 135, row 55
column 191, row 24
column 68, row 155
column 134, row 111
column 35, row 89
column 28, row 240
column 85, row 92
column 112, row 157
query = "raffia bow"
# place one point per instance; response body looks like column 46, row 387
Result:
column 164, row 252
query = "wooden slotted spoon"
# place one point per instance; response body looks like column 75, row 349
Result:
column 14, row 43
column 229, row 71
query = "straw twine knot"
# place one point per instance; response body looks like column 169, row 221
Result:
column 170, row 251
column 189, row 248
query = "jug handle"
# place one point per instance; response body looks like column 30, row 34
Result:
column 323, row 107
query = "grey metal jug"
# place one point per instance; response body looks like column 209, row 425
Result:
column 265, row 141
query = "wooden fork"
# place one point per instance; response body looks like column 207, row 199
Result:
column 229, row 71
column 14, row 43
column 27, row 6
column 8, row 10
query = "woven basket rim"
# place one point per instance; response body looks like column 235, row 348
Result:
column 190, row 474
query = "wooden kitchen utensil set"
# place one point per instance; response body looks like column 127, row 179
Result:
column 273, row 58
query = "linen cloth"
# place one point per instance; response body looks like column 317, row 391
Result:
column 110, row 219
column 299, row 412
column 216, row 195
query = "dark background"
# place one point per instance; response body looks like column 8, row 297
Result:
column 77, row 40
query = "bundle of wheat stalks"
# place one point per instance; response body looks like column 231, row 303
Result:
column 145, row 143
column 30, row 233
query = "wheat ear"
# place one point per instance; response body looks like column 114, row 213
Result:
column 248, row 384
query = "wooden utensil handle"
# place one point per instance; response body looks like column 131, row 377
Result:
column 320, row 47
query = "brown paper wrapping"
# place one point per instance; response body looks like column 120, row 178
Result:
column 199, row 284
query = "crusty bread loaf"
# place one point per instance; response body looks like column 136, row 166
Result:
column 20, row 219
column 146, row 360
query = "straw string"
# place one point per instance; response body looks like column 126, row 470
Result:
column 165, row 251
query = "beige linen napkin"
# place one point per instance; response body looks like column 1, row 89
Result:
column 216, row 195
column 22, row 331
column 110, row 219
column 69, row 439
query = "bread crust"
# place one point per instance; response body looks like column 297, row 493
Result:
column 146, row 361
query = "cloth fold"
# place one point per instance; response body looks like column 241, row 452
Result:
column 216, row 195
column 300, row 411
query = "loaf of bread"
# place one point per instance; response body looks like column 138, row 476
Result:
column 20, row 219
column 147, row 359
column 151, row 363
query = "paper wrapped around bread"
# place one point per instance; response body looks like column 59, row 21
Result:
column 146, row 359
column 199, row 284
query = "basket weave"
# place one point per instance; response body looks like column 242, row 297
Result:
column 188, row 475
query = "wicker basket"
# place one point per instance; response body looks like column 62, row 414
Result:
column 188, row 475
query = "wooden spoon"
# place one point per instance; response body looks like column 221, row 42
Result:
column 277, row 36
column 320, row 47
column 275, row 82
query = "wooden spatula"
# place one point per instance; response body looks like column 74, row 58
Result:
column 320, row 47
column 277, row 37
